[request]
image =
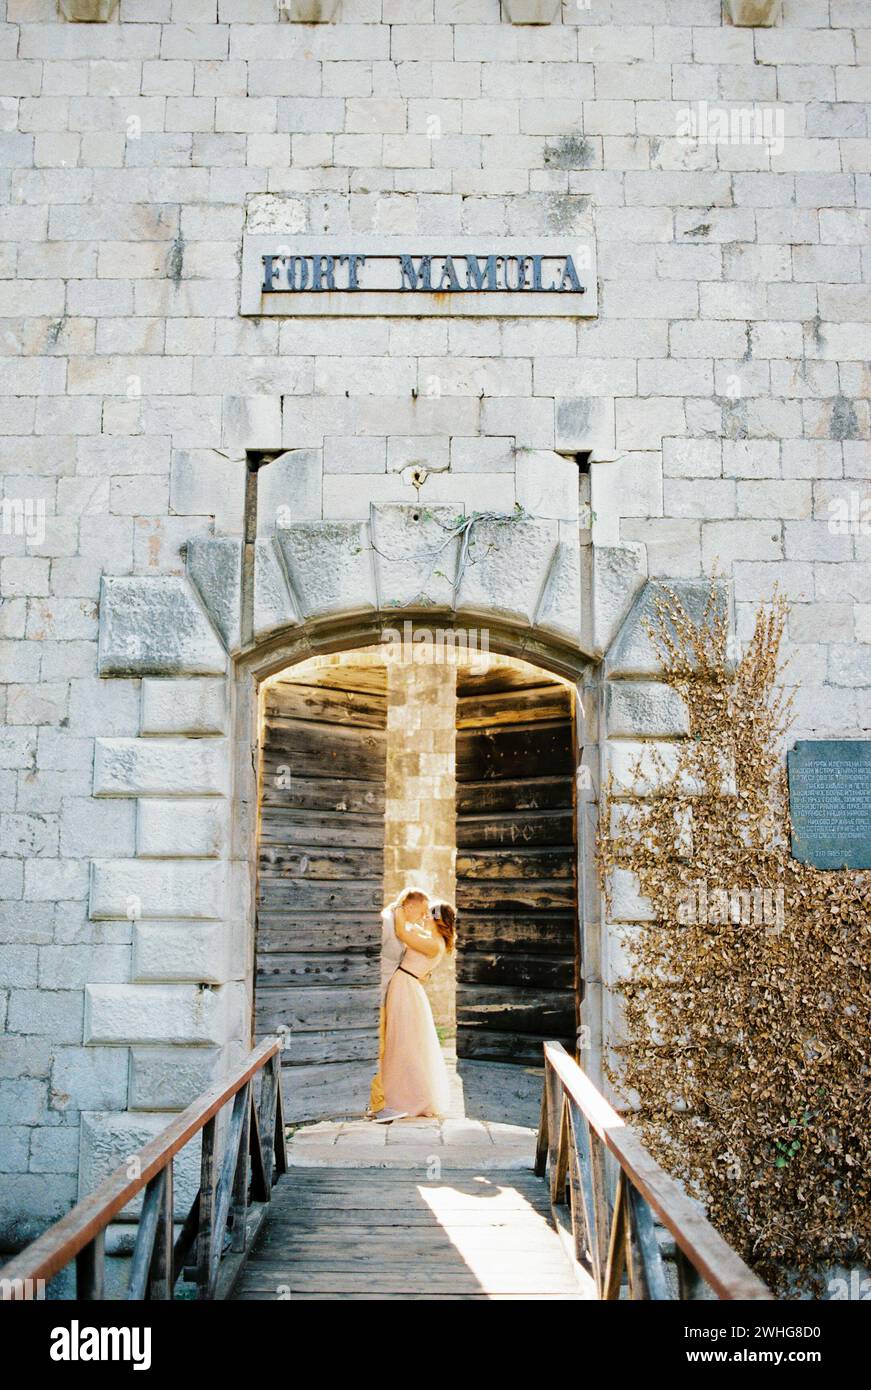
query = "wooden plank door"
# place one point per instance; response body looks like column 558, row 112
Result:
column 320, row 876
column 517, row 948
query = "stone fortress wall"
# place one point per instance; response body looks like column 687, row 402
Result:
column 718, row 400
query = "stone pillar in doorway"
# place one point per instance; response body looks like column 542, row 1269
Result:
column 419, row 830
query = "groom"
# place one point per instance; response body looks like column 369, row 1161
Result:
column 413, row 903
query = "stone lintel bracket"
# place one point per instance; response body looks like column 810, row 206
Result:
column 309, row 11
column 88, row 11
column 531, row 11
column 214, row 568
column 633, row 653
column 754, row 14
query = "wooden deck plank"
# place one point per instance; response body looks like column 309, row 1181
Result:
column 313, row 1218
column 375, row 1233
column 431, row 1297
column 368, row 1292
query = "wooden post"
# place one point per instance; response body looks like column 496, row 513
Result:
column 576, row 1195
column 644, row 1233
column 207, row 1207
column 601, row 1207
column 554, row 1093
column 581, row 1132
column 239, row 1207
column 268, row 1107
column 160, row 1274
column 617, row 1243
column 280, row 1146
column 90, row 1269
column 226, row 1180
column 688, row 1280
column 560, row 1168
column 541, row 1142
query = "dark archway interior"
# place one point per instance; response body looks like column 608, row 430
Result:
column 321, row 879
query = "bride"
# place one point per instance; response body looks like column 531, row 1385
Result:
column 413, row 1072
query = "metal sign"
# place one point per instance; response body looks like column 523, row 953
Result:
column 306, row 276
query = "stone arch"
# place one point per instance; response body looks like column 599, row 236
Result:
column 520, row 574
column 201, row 642
column 346, row 634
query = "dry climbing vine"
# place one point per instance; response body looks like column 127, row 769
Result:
column 746, row 1001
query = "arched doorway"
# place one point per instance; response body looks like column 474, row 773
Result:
column 455, row 774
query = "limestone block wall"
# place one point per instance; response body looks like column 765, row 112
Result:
column 722, row 392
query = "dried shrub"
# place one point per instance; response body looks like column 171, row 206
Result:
column 746, row 1002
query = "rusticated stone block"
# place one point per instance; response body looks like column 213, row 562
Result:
column 415, row 555
column 174, row 829
column 160, row 1013
column 183, row 707
column 171, row 1078
column 547, row 484
column 273, row 605
column 635, row 709
column 506, row 565
column 108, row 1140
column 756, row 14
column 330, row 567
column 88, row 11
column 180, row 951
column 214, row 565
column 154, row 626
column 136, row 888
column 617, row 574
column 309, row 11
column 559, row 608
column 160, row 767
column 531, row 11
column 585, row 423
column 289, row 490
column 634, row 652
column 643, row 768
column 628, row 903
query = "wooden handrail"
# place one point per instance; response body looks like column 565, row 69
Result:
column 74, row 1234
column 577, row 1124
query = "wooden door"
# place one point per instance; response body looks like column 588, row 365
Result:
column 517, row 948
column 320, row 873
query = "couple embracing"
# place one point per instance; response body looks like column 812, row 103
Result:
column 412, row 1078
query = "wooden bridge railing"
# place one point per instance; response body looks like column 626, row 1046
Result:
column 613, row 1232
column 232, row 1196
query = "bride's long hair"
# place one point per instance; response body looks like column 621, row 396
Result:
column 445, row 918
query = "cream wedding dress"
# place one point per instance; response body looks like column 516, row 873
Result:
column 413, row 1073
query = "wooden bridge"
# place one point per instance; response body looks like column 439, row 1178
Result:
column 589, row 1215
